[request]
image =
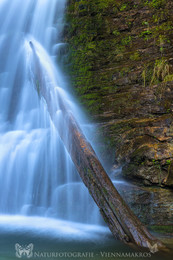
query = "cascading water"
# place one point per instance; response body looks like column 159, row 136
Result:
column 37, row 176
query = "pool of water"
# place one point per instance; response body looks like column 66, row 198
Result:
column 44, row 238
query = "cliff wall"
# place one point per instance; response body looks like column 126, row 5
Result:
column 120, row 62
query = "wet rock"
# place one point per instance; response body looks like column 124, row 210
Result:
column 147, row 183
column 122, row 72
column 169, row 179
column 152, row 205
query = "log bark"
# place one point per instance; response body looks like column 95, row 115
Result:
column 122, row 222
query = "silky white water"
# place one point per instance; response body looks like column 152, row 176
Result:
column 37, row 176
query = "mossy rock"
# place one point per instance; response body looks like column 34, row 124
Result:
column 165, row 229
column 120, row 66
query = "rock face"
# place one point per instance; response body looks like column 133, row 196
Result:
column 121, row 66
column 153, row 206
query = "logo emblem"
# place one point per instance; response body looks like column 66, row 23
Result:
column 153, row 249
column 25, row 251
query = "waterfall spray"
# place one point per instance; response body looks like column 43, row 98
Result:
column 37, row 175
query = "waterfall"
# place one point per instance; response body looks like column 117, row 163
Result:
column 37, row 175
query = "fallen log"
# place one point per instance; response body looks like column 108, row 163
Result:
column 122, row 222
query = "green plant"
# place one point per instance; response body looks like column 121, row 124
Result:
column 123, row 7
column 157, row 4
column 126, row 40
column 157, row 17
column 168, row 162
column 161, row 70
column 135, row 56
column 145, row 34
column 116, row 32
column 145, row 23
column 169, row 77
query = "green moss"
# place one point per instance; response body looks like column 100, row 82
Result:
column 126, row 40
column 123, row 7
column 157, row 4
column 95, row 43
column 118, row 52
column 168, row 78
column 162, row 229
column 146, row 34
column 116, row 33
column 168, row 162
column 135, row 56
column 160, row 71
column 100, row 48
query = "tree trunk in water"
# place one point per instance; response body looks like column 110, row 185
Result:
column 122, row 222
